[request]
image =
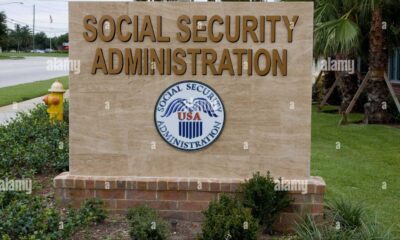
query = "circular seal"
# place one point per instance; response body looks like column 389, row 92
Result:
column 189, row 115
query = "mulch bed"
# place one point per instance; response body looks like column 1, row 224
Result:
column 116, row 226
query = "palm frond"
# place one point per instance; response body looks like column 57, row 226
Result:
column 325, row 10
column 340, row 36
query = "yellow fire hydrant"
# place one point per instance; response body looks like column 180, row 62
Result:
column 55, row 101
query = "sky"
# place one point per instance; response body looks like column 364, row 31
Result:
column 18, row 13
column 23, row 14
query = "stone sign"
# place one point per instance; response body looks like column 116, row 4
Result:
column 256, row 56
column 175, row 93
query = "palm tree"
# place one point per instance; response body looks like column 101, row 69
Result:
column 337, row 35
column 378, row 95
column 340, row 30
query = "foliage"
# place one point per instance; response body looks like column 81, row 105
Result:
column 346, row 220
column 29, row 216
column 336, row 31
column 92, row 211
column 29, row 143
column 228, row 217
column 146, row 224
column 260, row 195
column 348, row 214
column 58, row 41
column 343, row 26
column 33, row 217
column 20, row 38
column 3, row 28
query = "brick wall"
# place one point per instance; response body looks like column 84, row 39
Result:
column 181, row 199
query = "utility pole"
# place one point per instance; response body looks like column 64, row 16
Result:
column 51, row 21
column 33, row 32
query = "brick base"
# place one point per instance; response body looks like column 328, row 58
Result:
column 177, row 198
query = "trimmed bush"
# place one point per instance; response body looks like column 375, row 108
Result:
column 228, row 219
column 29, row 217
column 30, row 144
column 266, row 203
column 33, row 217
column 146, row 224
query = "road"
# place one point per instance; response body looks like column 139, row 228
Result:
column 31, row 69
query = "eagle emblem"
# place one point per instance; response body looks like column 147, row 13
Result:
column 189, row 114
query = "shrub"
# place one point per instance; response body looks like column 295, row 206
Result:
column 146, row 224
column 348, row 214
column 91, row 211
column 228, row 219
column 345, row 220
column 260, row 195
column 33, row 217
column 30, row 144
column 373, row 230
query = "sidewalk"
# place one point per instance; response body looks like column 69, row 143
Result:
column 10, row 111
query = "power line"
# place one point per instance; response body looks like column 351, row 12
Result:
column 49, row 7
column 49, row 31
column 41, row 27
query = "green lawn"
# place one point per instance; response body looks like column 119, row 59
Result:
column 8, row 55
column 368, row 158
column 26, row 91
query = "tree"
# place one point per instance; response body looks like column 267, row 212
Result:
column 340, row 30
column 41, row 40
column 337, row 35
column 20, row 38
column 16, row 37
column 378, row 95
column 3, row 29
column 58, row 41
column 26, row 36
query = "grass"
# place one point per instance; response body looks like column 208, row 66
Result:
column 26, row 91
column 368, row 161
column 9, row 55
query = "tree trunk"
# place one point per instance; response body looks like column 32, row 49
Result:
column 335, row 98
column 377, row 92
column 348, row 84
